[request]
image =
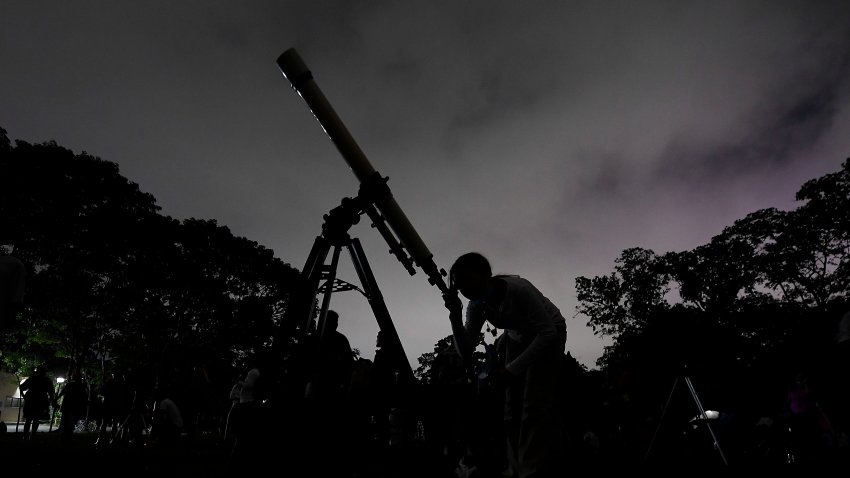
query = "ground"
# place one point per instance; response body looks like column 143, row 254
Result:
column 49, row 454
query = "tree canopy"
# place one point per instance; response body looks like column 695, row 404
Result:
column 763, row 296
column 113, row 282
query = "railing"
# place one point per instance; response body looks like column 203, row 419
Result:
column 14, row 402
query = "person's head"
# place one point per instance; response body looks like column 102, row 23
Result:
column 331, row 321
column 469, row 274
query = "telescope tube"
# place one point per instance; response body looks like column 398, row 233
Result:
column 301, row 78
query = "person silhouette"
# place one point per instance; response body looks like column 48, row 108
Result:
column 75, row 397
column 840, row 365
column 385, row 376
column 115, row 406
column 139, row 390
column 335, row 362
column 390, row 397
column 38, row 395
column 167, row 420
column 235, row 393
column 806, row 421
column 535, row 335
column 326, row 395
column 249, row 439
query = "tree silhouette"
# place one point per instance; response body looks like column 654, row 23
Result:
column 620, row 305
column 760, row 298
column 430, row 362
column 114, row 281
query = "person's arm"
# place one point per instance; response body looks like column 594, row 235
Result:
column 464, row 334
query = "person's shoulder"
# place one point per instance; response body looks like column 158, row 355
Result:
column 514, row 281
column 510, row 277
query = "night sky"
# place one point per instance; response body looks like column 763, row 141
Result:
column 547, row 135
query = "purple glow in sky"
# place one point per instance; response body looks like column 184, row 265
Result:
column 548, row 136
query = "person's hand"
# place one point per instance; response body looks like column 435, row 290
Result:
column 452, row 303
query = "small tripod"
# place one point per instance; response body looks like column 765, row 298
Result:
column 702, row 416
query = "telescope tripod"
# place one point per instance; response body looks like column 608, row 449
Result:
column 321, row 277
column 316, row 270
column 684, row 378
column 376, row 201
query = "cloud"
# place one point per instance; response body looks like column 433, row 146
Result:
column 550, row 135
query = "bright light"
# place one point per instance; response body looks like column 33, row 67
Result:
column 709, row 415
column 60, row 379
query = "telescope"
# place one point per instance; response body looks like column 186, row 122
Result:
column 374, row 191
column 373, row 199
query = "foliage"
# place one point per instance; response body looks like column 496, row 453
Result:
column 113, row 283
column 762, row 296
column 445, row 360
column 622, row 302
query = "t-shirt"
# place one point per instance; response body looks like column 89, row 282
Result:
column 526, row 315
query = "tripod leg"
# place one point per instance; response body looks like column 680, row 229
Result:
column 311, row 275
column 330, row 277
column 705, row 418
column 661, row 420
column 379, row 307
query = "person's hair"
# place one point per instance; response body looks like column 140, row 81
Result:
column 473, row 262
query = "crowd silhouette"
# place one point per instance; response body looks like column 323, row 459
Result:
column 322, row 411
column 357, row 418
